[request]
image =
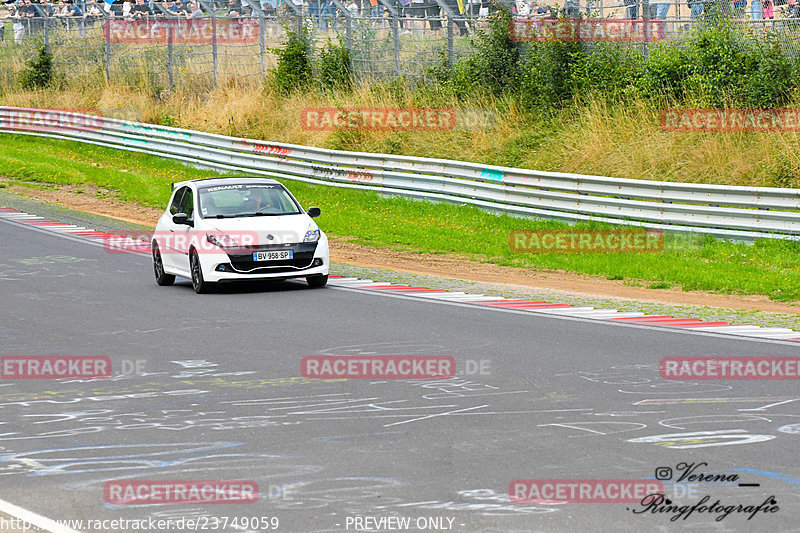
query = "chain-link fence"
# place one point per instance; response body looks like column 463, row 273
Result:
column 164, row 45
column 170, row 50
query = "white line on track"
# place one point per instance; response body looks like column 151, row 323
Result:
column 37, row 520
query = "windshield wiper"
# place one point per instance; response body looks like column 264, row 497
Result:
column 257, row 214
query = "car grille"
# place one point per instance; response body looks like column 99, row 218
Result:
column 303, row 257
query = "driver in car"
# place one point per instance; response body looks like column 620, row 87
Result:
column 260, row 202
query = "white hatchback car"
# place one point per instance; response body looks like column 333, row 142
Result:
column 237, row 228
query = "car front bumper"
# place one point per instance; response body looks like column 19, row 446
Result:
column 310, row 259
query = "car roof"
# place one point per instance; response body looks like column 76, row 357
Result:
column 225, row 180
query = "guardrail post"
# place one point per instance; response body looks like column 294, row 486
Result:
column 262, row 43
column 262, row 35
column 107, row 37
column 108, row 61
column 170, row 64
column 393, row 22
column 646, row 22
column 214, row 43
column 348, row 30
column 450, row 50
column 46, row 35
column 214, row 52
column 396, row 43
column 348, row 38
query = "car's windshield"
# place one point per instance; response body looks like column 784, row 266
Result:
column 246, row 199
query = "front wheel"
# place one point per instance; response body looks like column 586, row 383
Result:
column 162, row 278
column 199, row 285
column 317, row 281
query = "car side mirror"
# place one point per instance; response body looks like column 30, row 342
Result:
column 182, row 218
column 314, row 212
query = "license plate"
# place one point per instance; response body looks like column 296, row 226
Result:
column 279, row 255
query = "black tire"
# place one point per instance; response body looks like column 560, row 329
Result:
column 317, row 281
column 199, row 285
column 162, row 278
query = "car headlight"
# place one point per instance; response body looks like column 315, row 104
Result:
column 312, row 235
column 223, row 241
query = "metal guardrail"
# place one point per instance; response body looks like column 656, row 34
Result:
column 742, row 213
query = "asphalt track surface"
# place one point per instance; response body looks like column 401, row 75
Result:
column 219, row 396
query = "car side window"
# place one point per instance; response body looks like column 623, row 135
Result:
column 187, row 202
column 174, row 207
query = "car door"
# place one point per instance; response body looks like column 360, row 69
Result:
column 166, row 234
column 184, row 233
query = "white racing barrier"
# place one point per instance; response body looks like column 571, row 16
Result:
column 741, row 213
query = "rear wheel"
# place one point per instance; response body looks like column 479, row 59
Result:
column 317, row 281
column 162, row 278
column 200, row 285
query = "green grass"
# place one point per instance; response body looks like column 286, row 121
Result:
column 768, row 267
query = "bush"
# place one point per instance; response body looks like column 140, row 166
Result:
column 294, row 69
column 493, row 65
column 610, row 71
column 666, row 72
column 714, row 65
column 39, row 72
column 334, row 69
column 547, row 77
column 717, row 67
column 771, row 83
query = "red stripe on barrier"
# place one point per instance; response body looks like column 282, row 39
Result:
column 419, row 289
column 404, row 289
column 523, row 304
column 673, row 321
column 503, row 303
column 543, row 306
column 702, row 325
column 642, row 318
